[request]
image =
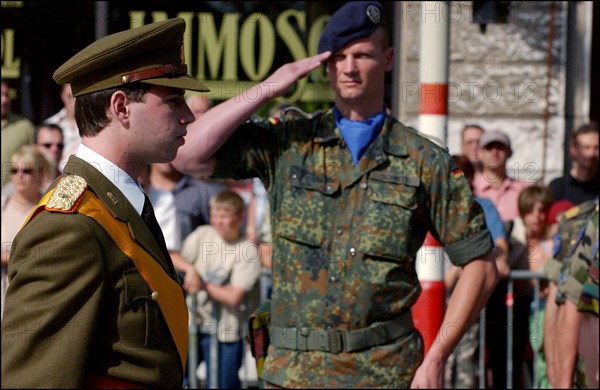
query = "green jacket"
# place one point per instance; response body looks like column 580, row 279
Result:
column 76, row 304
column 345, row 237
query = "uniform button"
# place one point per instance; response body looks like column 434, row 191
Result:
column 155, row 295
column 333, row 279
column 353, row 251
column 363, row 186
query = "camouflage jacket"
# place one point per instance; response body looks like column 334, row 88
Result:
column 578, row 280
column 570, row 239
column 345, row 237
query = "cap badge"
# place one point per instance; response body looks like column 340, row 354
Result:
column 374, row 14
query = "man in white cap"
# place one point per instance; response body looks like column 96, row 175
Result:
column 494, row 182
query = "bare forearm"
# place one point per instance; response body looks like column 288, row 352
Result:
column 208, row 133
column 470, row 295
column 227, row 294
column 569, row 322
column 550, row 335
column 502, row 259
column 475, row 285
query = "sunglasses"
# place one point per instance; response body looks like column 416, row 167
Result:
column 49, row 145
column 25, row 171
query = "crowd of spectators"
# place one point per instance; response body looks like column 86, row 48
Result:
column 523, row 216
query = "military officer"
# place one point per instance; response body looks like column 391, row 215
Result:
column 353, row 192
column 94, row 300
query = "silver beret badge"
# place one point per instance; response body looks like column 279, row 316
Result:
column 373, row 14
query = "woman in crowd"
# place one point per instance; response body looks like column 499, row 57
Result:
column 27, row 170
column 529, row 251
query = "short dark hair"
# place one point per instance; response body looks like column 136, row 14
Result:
column 91, row 108
column 44, row 125
column 586, row 128
column 468, row 126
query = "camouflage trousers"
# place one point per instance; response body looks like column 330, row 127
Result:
column 462, row 367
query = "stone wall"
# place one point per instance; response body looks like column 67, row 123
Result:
column 498, row 79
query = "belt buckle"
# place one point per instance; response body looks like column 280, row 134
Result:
column 335, row 341
column 302, row 338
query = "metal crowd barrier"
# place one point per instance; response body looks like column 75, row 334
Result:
column 536, row 277
column 194, row 325
column 522, row 275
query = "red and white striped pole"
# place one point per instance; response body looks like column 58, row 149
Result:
column 433, row 68
column 428, row 311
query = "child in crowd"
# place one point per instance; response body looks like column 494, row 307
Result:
column 229, row 267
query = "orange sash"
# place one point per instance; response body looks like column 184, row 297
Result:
column 166, row 291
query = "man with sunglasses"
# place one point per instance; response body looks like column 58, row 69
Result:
column 49, row 140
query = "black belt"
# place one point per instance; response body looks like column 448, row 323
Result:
column 340, row 340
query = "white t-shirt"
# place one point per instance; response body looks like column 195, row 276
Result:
column 223, row 263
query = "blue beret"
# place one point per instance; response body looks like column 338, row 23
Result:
column 355, row 19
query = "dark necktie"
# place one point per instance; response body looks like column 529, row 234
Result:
column 150, row 219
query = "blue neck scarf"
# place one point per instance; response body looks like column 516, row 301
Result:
column 359, row 134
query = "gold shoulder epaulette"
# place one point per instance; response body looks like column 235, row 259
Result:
column 67, row 194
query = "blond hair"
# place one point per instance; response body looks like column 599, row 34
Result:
column 30, row 154
column 228, row 200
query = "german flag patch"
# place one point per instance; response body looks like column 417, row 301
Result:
column 457, row 173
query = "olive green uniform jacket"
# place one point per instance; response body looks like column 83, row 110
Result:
column 76, row 304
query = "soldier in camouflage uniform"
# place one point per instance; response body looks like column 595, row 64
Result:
column 574, row 290
column 578, row 288
column 588, row 301
column 349, row 217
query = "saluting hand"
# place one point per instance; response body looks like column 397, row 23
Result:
column 279, row 83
